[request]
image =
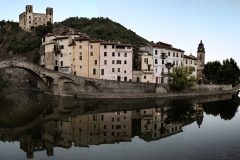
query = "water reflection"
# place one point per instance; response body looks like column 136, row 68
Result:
column 45, row 122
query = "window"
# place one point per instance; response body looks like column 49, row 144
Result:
column 186, row 61
column 61, row 55
column 80, row 67
column 61, row 63
column 62, row 46
column 102, row 72
column 95, row 62
column 177, row 63
column 177, row 54
column 91, row 46
column 118, row 119
column 80, row 46
column 105, row 62
column 29, row 17
column 56, row 63
column 112, row 119
column 173, row 54
column 112, row 61
column 168, row 53
column 118, row 69
column 191, row 61
column 113, row 46
column 30, row 22
column 80, row 56
column 125, row 54
column 162, row 70
column 146, row 60
column 156, row 52
column 118, row 61
column 105, row 127
column 125, row 71
column 113, row 54
column 102, row 117
column 91, row 53
column 118, row 126
column 94, row 71
column 174, row 62
column 156, row 61
column 181, row 55
column 125, row 79
column 113, row 69
column 105, row 46
column 200, row 56
column 162, row 61
column 105, row 54
column 125, row 61
column 144, row 77
column 74, row 73
column 73, row 59
column 118, row 54
column 156, row 70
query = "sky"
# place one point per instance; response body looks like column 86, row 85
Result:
column 182, row 23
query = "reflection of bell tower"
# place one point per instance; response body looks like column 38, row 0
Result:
column 201, row 60
column 199, row 114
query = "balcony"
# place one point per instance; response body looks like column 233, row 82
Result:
column 164, row 74
column 163, row 56
column 147, row 71
column 57, row 50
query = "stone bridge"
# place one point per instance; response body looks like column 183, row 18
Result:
column 57, row 83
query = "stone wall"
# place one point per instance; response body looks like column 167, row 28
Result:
column 212, row 87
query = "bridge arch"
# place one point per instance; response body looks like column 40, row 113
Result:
column 34, row 70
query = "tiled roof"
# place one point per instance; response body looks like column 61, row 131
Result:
column 190, row 57
column 165, row 46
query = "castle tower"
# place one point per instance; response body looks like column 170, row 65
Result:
column 29, row 16
column 49, row 14
column 201, row 61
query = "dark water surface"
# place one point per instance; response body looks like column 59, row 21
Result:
column 34, row 126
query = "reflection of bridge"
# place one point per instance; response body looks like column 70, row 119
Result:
column 57, row 83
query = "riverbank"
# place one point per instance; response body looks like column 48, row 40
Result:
column 191, row 93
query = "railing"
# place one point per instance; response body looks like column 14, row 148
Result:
column 56, row 49
column 164, row 73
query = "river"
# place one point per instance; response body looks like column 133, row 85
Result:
column 37, row 126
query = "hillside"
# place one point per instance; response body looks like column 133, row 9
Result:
column 15, row 42
column 103, row 28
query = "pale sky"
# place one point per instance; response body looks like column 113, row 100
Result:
column 182, row 23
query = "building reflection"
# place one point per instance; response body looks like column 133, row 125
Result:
column 106, row 128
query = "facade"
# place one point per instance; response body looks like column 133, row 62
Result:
column 165, row 57
column 191, row 61
column 142, row 66
column 29, row 19
column 116, row 61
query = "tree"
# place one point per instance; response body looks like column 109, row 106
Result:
column 181, row 78
column 230, row 72
column 212, row 71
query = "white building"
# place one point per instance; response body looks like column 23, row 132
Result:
column 116, row 61
column 165, row 57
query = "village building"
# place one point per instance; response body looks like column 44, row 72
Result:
column 191, row 61
column 165, row 57
column 29, row 19
column 116, row 61
column 142, row 66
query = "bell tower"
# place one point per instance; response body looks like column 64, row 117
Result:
column 201, row 61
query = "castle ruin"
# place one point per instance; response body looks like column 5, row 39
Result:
column 28, row 19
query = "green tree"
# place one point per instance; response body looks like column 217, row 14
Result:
column 36, row 56
column 181, row 78
column 212, row 71
column 230, row 72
